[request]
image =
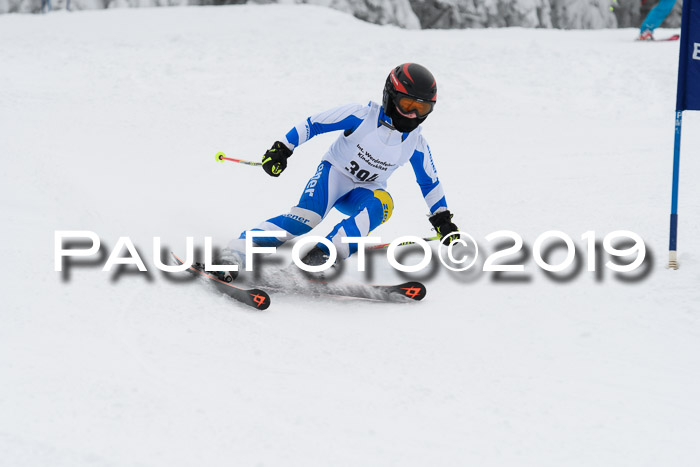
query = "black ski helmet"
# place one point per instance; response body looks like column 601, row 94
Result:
column 409, row 80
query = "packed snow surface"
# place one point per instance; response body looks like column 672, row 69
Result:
column 110, row 122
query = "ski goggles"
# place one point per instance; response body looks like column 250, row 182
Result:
column 408, row 104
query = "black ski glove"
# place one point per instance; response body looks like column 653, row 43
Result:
column 275, row 159
column 446, row 230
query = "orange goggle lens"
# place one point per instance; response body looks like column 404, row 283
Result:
column 407, row 105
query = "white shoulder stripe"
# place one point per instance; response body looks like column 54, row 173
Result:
column 338, row 114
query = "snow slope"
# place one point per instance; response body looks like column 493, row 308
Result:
column 110, row 121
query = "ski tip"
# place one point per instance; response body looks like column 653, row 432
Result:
column 259, row 299
column 413, row 290
column 674, row 37
column 256, row 298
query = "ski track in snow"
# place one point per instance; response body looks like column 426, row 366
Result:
column 110, row 122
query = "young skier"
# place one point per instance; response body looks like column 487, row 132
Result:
column 352, row 177
column 654, row 18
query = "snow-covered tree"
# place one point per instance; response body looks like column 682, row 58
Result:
column 431, row 14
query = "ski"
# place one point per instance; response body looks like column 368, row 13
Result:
column 284, row 282
column 256, row 298
column 674, row 37
column 408, row 291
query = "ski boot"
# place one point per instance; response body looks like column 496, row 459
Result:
column 646, row 35
column 315, row 257
column 228, row 257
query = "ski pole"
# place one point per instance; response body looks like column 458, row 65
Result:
column 220, row 157
column 384, row 245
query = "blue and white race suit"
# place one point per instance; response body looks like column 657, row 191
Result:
column 352, row 177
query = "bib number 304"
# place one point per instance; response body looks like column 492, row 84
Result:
column 361, row 174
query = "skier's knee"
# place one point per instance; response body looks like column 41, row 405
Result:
column 386, row 203
column 304, row 217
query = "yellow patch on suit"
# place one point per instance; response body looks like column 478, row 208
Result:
column 387, row 204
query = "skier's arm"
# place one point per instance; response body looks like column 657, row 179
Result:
column 346, row 118
column 433, row 192
column 427, row 179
